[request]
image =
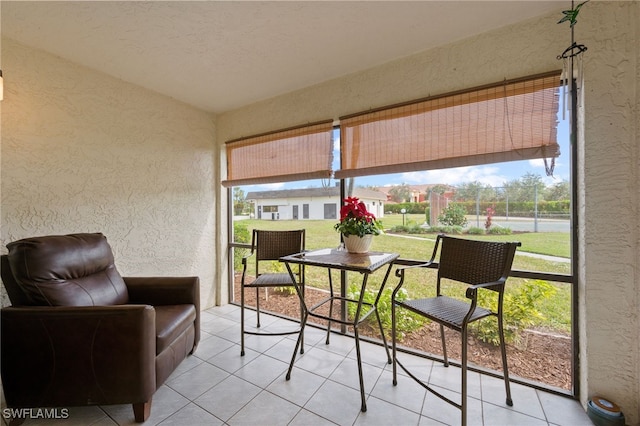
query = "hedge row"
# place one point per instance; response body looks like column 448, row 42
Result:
column 516, row 208
column 412, row 208
column 519, row 208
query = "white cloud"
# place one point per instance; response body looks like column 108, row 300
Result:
column 336, row 145
column 485, row 174
column 265, row 187
column 536, row 162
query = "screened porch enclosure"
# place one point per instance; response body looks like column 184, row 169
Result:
column 454, row 138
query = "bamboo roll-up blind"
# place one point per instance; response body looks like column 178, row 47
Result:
column 298, row 153
column 507, row 121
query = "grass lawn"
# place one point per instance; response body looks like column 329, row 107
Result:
column 547, row 243
column 556, row 310
column 320, row 234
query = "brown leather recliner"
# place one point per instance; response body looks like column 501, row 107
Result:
column 78, row 333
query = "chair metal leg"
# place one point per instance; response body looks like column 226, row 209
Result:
column 384, row 338
column 330, row 308
column 258, row 307
column 505, row 368
column 393, row 343
column 242, row 321
column 444, row 346
column 363, row 406
column 301, row 317
column 463, row 400
column 303, row 323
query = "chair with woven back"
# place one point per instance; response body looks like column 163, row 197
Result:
column 268, row 246
column 478, row 266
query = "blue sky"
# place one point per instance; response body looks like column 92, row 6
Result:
column 492, row 174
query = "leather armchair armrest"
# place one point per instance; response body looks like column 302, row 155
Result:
column 164, row 290
column 88, row 355
column 158, row 291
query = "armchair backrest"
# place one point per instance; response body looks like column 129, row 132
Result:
column 66, row 270
column 14, row 291
column 475, row 262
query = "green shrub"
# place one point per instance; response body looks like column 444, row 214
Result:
column 454, row 230
column 240, row 235
column 289, row 290
column 519, row 208
column 411, row 228
column 453, row 215
column 498, row 230
column 414, row 228
column 519, row 311
column 400, row 229
column 406, row 321
column 474, row 230
column 411, row 208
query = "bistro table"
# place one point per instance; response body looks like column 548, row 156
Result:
column 365, row 264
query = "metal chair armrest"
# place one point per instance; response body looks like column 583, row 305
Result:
column 472, row 291
column 400, row 274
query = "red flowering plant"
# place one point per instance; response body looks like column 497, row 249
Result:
column 356, row 220
column 490, row 212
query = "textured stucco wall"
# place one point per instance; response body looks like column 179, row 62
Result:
column 85, row 152
column 609, row 229
column 610, row 272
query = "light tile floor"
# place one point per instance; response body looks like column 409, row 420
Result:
column 217, row 386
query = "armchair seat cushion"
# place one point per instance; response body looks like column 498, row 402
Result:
column 171, row 322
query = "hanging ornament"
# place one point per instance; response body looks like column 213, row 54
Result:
column 568, row 77
column 571, row 15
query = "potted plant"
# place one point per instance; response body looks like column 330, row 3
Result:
column 357, row 225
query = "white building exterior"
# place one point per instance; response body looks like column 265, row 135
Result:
column 310, row 203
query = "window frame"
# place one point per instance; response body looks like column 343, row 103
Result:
column 570, row 278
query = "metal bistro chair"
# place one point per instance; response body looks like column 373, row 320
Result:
column 268, row 246
column 477, row 264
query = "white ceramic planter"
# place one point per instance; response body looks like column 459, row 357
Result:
column 356, row 244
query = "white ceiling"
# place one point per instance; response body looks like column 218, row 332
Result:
column 221, row 55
